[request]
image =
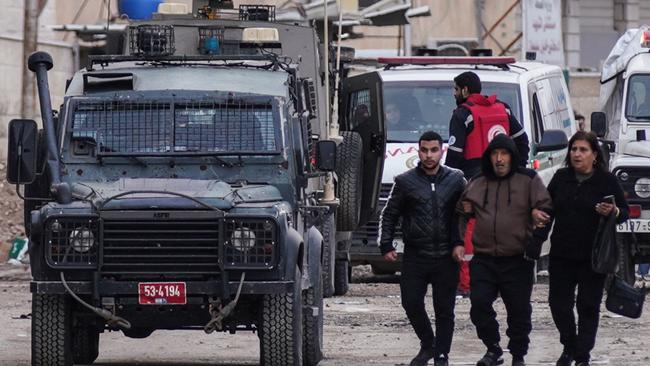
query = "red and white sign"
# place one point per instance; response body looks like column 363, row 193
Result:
column 162, row 293
column 542, row 23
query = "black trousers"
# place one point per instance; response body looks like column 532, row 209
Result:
column 564, row 276
column 512, row 278
column 442, row 274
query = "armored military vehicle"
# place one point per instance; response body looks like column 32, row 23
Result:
column 192, row 183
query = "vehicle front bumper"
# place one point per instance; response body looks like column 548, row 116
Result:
column 130, row 288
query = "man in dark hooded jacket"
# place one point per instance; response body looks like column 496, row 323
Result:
column 506, row 201
column 473, row 125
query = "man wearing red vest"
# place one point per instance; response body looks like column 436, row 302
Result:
column 473, row 125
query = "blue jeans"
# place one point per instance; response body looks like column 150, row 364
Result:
column 644, row 268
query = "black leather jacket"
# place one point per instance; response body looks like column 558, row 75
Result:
column 429, row 219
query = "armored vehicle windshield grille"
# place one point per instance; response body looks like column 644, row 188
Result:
column 236, row 127
column 163, row 249
column 164, row 128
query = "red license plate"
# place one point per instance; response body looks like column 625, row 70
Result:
column 162, row 293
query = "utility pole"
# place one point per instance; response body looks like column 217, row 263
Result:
column 31, row 13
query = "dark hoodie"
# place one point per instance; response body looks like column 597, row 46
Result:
column 503, row 205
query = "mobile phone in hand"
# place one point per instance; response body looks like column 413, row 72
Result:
column 609, row 199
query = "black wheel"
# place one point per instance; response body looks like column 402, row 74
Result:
column 85, row 345
column 341, row 278
column 51, row 330
column 626, row 257
column 281, row 328
column 349, row 170
column 312, row 341
column 327, row 229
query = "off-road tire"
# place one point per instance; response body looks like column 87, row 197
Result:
column 281, row 328
column 312, row 341
column 341, row 278
column 349, row 170
column 327, row 229
column 51, row 330
column 625, row 269
column 85, row 345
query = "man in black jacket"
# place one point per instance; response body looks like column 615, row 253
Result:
column 424, row 198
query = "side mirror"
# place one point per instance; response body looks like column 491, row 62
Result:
column 553, row 140
column 599, row 123
column 326, row 155
column 22, row 152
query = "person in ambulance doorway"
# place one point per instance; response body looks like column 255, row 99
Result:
column 425, row 198
column 473, row 125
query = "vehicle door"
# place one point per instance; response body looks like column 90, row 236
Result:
column 542, row 118
column 564, row 118
column 362, row 111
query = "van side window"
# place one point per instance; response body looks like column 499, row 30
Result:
column 360, row 109
column 538, row 124
column 564, row 116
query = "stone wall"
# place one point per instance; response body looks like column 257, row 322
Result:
column 11, row 66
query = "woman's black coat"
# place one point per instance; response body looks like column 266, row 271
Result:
column 574, row 211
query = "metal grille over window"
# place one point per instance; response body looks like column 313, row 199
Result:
column 72, row 242
column 257, row 12
column 125, row 127
column 151, row 40
column 249, row 243
column 151, row 128
column 212, row 127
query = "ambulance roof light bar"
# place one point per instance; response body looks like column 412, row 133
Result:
column 645, row 39
column 502, row 62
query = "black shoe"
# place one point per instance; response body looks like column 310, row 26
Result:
column 441, row 360
column 423, row 357
column 566, row 358
column 490, row 359
column 583, row 363
column 520, row 362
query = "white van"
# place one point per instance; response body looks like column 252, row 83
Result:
column 624, row 126
column 422, row 88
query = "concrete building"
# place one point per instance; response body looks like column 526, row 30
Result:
column 590, row 28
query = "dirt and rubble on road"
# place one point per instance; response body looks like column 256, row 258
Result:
column 365, row 327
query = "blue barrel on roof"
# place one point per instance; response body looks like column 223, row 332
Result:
column 138, row 9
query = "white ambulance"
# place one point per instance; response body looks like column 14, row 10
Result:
column 624, row 126
column 421, row 91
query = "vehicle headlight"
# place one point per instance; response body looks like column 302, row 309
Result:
column 642, row 187
column 242, row 238
column 624, row 176
column 82, row 239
